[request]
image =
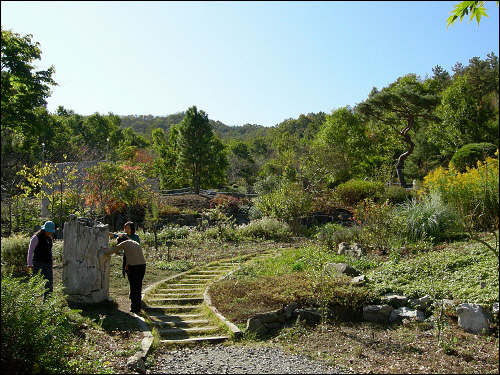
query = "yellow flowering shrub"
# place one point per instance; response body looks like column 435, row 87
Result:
column 473, row 193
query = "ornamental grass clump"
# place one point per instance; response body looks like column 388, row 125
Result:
column 428, row 219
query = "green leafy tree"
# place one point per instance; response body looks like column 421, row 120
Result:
column 241, row 163
column 167, row 153
column 468, row 109
column 400, row 106
column 341, row 148
column 23, row 87
column 200, row 152
column 24, row 92
column 462, row 9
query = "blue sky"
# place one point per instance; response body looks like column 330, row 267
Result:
column 240, row 62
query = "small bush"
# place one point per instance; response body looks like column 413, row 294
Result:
column 379, row 225
column 266, row 228
column 289, row 202
column 15, row 250
column 166, row 209
column 354, row 191
column 331, row 235
column 57, row 250
column 468, row 155
column 226, row 203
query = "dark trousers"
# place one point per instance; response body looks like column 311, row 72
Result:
column 46, row 270
column 135, row 277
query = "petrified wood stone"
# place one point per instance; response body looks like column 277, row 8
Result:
column 85, row 275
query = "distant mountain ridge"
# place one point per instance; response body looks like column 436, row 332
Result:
column 145, row 124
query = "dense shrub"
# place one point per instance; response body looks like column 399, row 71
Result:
column 473, row 194
column 37, row 336
column 470, row 154
column 20, row 214
column 15, row 250
column 355, row 190
column 428, row 218
column 266, row 228
column 288, row 202
column 379, row 224
column 395, row 194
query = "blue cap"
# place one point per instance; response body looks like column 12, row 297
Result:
column 49, row 226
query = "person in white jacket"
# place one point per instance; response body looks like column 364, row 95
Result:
column 136, row 265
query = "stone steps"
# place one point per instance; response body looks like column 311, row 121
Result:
column 176, row 307
column 192, row 339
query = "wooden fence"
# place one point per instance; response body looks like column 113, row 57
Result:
column 209, row 193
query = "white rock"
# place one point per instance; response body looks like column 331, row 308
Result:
column 474, row 318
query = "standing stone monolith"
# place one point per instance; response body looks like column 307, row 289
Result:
column 85, row 275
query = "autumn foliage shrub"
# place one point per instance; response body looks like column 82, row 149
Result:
column 226, row 203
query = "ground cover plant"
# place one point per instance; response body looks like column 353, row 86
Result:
column 465, row 271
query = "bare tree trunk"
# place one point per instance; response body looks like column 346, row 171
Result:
column 404, row 156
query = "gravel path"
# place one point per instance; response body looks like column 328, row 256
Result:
column 223, row 359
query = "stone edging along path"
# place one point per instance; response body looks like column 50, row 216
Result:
column 180, row 309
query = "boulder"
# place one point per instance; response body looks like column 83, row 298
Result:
column 254, row 325
column 405, row 312
column 356, row 250
column 474, row 318
column 377, row 313
column 310, row 316
column 266, row 317
column 289, row 310
column 359, row 280
column 422, row 303
column 135, row 363
column 396, row 300
column 341, row 268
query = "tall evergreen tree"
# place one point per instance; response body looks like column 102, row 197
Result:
column 197, row 147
